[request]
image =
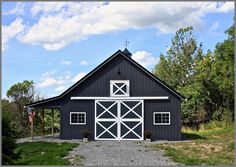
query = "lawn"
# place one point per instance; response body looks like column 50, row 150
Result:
column 44, row 153
column 208, row 147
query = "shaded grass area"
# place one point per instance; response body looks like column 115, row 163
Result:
column 208, row 147
column 44, row 153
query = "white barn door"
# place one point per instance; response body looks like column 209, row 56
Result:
column 118, row 119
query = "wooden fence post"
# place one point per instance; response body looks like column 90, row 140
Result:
column 52, row 121
column 32, row 128
column 43, row 130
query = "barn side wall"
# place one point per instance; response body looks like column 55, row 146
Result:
column 68, row 131
column 163, row 132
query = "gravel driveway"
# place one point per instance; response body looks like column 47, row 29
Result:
column 115, row 153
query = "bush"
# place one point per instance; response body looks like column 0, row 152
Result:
column 148, row 134
column 85, row 133
column 8, row 140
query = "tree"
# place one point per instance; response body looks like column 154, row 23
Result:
column 21, row 94
column 222, row 74
column 206, row 80
column 176, row 67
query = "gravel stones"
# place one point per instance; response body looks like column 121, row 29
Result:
column 120, row 153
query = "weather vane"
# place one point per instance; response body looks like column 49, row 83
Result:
column 126, row 43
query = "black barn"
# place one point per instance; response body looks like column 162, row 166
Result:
column 118, row 100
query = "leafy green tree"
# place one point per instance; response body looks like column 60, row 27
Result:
column 206, row 80
column 21, row 94
column 222, row 73
column 176, row 67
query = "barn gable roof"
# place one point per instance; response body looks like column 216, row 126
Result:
column 119, row 52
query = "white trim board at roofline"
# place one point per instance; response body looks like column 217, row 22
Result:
column 122, row 98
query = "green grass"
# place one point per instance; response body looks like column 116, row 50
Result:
column 44, row 153
column 208, row 147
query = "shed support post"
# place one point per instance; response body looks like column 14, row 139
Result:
column 52, row 121
column 32, row 128
column 43, row 130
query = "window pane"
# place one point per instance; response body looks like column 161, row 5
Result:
column 119, row 84
column 120, row 88
column 114, row 88
column 78, row 118
column 119, row 92
column 162, row 118
column 124, row 88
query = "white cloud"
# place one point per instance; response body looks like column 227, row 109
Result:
column 47, row 82
column 17, row 10
column 145, row 58
column 11, row 31
column 61, row 82
column 61, row 23
column 225, row 7
column 46, row 7
column 66, row 62
column 60, row 88
column 213, row 29
column 49, row 73
column 84, row 63
column 78, row 77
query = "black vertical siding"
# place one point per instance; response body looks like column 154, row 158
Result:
column 141, row 84
column 163, row 132
column 75, row 131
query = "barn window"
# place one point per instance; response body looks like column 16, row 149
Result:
column 119, row 87
column 78, row 118
column 161, row 118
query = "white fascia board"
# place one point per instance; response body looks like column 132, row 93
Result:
column 122, row 98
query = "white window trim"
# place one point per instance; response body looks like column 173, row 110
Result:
column 112, row 82
column 160, row 113
column 78, row 123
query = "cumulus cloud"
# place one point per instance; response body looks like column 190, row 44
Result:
column 58, row 83
column 61, row 23
column 49, row 73
column 47, row 82
column 11, row 31
column 60, row 88
column 17, row 10
column 213, row 29
column 50, row 79
column 84, row 63
column 66, row 62
column 145, row 58
column 78, row 77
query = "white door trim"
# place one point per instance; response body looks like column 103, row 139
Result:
column 119, row 119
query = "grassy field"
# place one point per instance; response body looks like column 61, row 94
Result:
column 44, row 153
column 208, row 147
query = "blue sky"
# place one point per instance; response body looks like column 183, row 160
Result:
column 55, row 44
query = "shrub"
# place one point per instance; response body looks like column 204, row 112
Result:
column 8, row 140
column 85, row 133
column 148, row 134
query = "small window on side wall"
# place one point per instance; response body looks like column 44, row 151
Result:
column 161, row 118
column 77, row 118
column 119, row 88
